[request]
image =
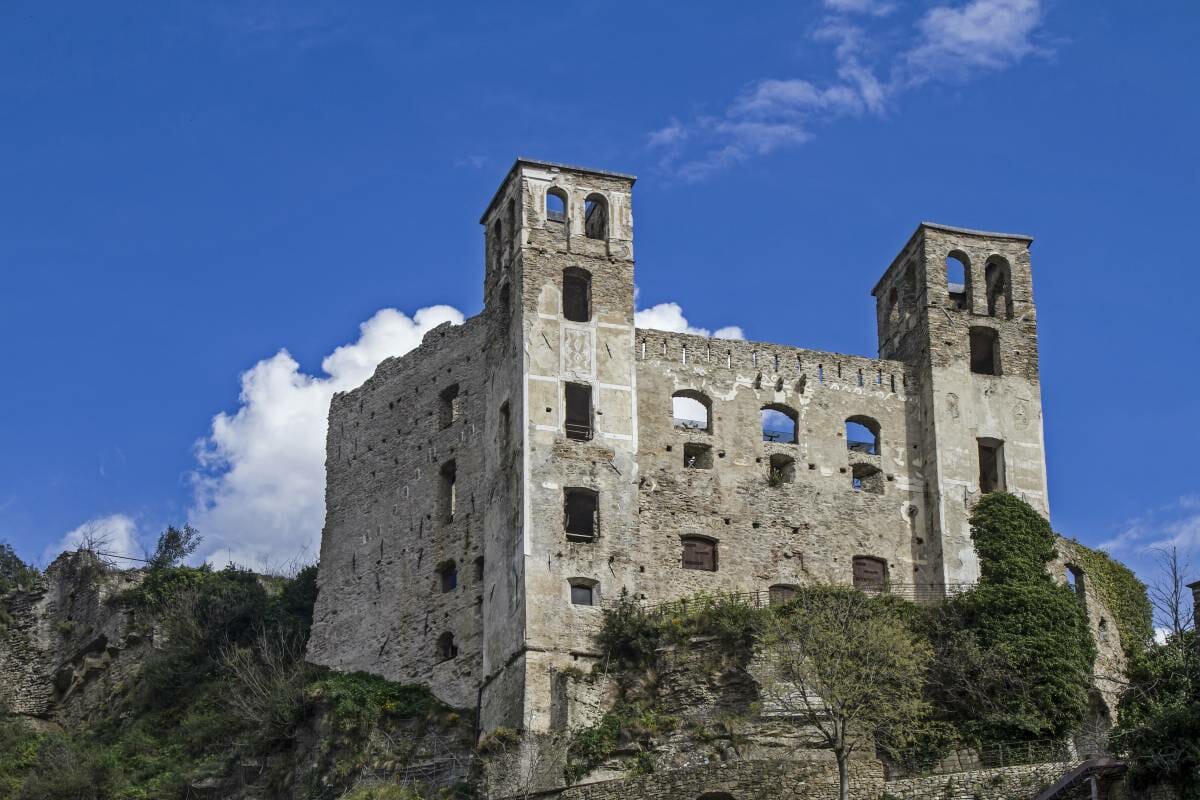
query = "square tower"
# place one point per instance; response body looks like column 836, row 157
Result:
column 958, row 305
column 559, row 287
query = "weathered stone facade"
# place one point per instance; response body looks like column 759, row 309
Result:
column 454, row 552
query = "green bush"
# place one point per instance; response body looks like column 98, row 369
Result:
column 14, row 573
column 68, row 769
column 1013, row 541
column 629, row 636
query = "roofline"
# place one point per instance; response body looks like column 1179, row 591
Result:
column 1018, row 237
column 533, row 162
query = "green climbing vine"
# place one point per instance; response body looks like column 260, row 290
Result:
column 1119, row 590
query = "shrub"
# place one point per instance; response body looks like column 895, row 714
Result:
column 629, row 636
column 1013, row 541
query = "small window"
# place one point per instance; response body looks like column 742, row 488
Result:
column 957, row 275
column 449, row 474
column 580, row 514
column 446, row 647
column 450, row 406
column 893, row 306
column 781, row 593
column 583, row 592
column 999, row 288
column 503, row 425
column 699, row 553
column 870, row 573
column 779, row 423
column 691, row 410
column 595, row 217
column 448, row 575
column 697, row 456
column 497, row 240
column 556, row 206
column 862, row 435
column 985, row 351
column 577, row 294
column 866, row 478
column 578, row 419
column 782, row 469
column 1075, row 580
column 505, row 301
column 479, row 569
column 991, row 466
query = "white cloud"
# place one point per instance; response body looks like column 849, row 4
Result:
column 669, row 317
column 260, row 484
column 983, row 34
column 947, row 43
column 114, row 535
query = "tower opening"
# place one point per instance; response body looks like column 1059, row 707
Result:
column 595, row 217
column 957, row 279
column 577, row 294
column 985, row 351
column 580, row 514
column 578, row 419
column 556, row 206
column 991, row 465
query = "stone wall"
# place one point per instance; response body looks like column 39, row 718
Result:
column 743, row 780
column 1001, row 783
column 69, row 648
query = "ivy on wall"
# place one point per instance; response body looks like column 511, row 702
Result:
column 1119, row 590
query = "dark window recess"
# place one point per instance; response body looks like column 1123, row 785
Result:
column 449, row 492
column 580, row 514
column 781, row 593
column 505, row 301
column 479, row 568
column 697, row 456
column 503, row 424
column 582, row 595
column 866, row 478
column 578, row 421
column 999, row 290
column 782, row 469
column 447, row 649
column 985, row 351
column 991, row 465
column 870, row 574
column 595, row 217
column 450, row 406
column 577, row 294
column 448, row 572
column 699, row 553
column 556, row 206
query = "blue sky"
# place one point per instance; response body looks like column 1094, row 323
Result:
column 186, row 189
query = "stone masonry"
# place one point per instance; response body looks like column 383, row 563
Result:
column 488, row 491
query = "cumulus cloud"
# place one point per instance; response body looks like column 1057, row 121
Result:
column 669, row 317
column 114, row 535
column 260, row 482
column 950, row 42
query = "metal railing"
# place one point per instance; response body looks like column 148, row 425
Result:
column 766, row 597
column 787, row 437
column 578, row 431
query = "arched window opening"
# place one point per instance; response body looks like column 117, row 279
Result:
column 699, row 552
column 556, row 206
column 497, row 240
column 595, row 217
column 866, row 478
column 691, row 410
column 446, row 647
column 781, row 593
column 1074, row 576
column 581, row 514
column 991, row 465
column 1102, row 630
column 999, row 288
column 893, row 306
column 450, row 405
column 448, row 575
column 957, row 278
column 779, row 423
column 985, row 351
column 449, row 474
column 862, row 435
column 578, row 418
column 584, row 591
column 782, row 469
column 870, row 573
column 577, row 294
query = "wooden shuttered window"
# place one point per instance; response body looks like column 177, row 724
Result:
column 699, row 553
column 869, row 573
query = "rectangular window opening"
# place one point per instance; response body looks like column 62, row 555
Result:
column 578, row 419
column 449, row 492
column 985, row 351
column 991, row 466
column 697, row 456
column 581, row 514
column 449, row 407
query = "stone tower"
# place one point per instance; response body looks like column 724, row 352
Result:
column 957, row 305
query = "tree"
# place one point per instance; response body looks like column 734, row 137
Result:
column 1020, row 617
column 1169, row 594
column 14, row 573
column 846, row 666
column 174, row 546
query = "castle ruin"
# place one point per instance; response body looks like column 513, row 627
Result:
column 488, row 491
